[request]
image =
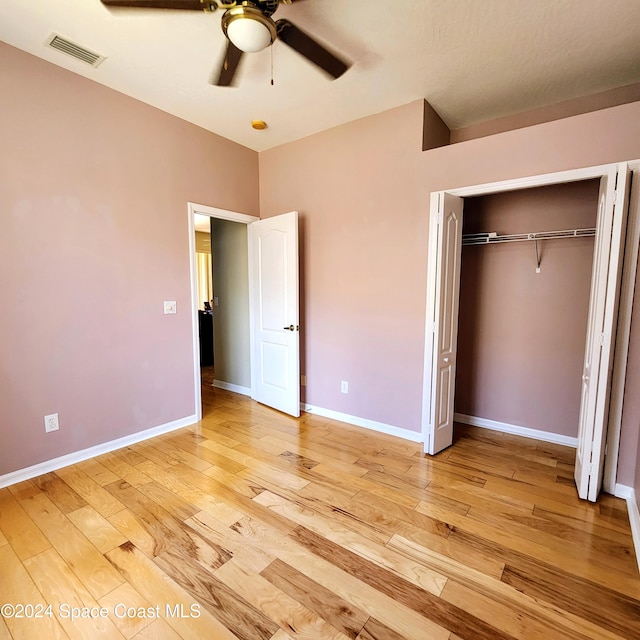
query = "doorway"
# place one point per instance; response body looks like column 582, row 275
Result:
column 523, row 310
column 443, row 282
column 273, row 291
column 229, row 229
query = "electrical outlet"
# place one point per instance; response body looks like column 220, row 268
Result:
column 169, row 306
column 51, row 423
column 344, row 387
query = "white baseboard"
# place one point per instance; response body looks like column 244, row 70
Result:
column 629, row 494
column 227, row 386
column 505, row 427
column 84, row 454
column 381, row 427
column 623, row 491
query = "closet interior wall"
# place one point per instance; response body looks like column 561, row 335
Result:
column 522, row 334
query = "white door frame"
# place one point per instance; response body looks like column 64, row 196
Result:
column 625, row 303
column 221, row 214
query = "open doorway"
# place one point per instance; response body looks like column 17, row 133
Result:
column 272, row 264
column 222, row 305
column 524, row 306
column 221, row 333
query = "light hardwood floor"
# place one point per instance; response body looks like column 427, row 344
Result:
column 254, row 525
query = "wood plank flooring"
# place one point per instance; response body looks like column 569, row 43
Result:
column 257, row 526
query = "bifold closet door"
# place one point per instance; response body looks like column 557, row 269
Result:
column 443, row 294
column 603, row 308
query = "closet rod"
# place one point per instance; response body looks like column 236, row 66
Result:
column 493, row 237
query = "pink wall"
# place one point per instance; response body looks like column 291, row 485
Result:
column 93, row 238
column 363, row 190
column 363, row 231
column 522, row 334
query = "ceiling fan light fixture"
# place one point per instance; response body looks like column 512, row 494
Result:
column 248, row 28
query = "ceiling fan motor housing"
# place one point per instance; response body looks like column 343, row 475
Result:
column 248, row 27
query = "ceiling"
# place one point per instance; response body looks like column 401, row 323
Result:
column 472, row 60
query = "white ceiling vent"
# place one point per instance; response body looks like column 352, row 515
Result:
column 79, row 52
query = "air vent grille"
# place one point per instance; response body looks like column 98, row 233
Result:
column 75, row 50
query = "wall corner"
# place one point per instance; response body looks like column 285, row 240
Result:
column 435, row 132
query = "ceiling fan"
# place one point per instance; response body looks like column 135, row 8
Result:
column 248, row 27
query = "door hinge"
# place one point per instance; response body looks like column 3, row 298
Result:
column 602, row 338
column 436, row 218
column 435, row 327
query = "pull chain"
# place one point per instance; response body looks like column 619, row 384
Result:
column 271, row 52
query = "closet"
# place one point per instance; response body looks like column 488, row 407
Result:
column 606, row 338
column 523, row 309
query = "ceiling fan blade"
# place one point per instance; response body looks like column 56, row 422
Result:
column 312, row 50
column 229, row 66
column 186, row 5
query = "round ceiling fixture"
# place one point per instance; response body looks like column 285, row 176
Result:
column 248, row 28
column 259, row 125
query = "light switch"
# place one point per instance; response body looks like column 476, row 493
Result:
column 169, row 306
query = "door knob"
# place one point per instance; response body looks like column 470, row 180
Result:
column 446, row 360
column 289, row 328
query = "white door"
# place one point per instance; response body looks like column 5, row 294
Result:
column 603, row 313
column 443, row 292
column 273, row 298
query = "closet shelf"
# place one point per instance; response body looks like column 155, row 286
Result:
column 493, row 237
